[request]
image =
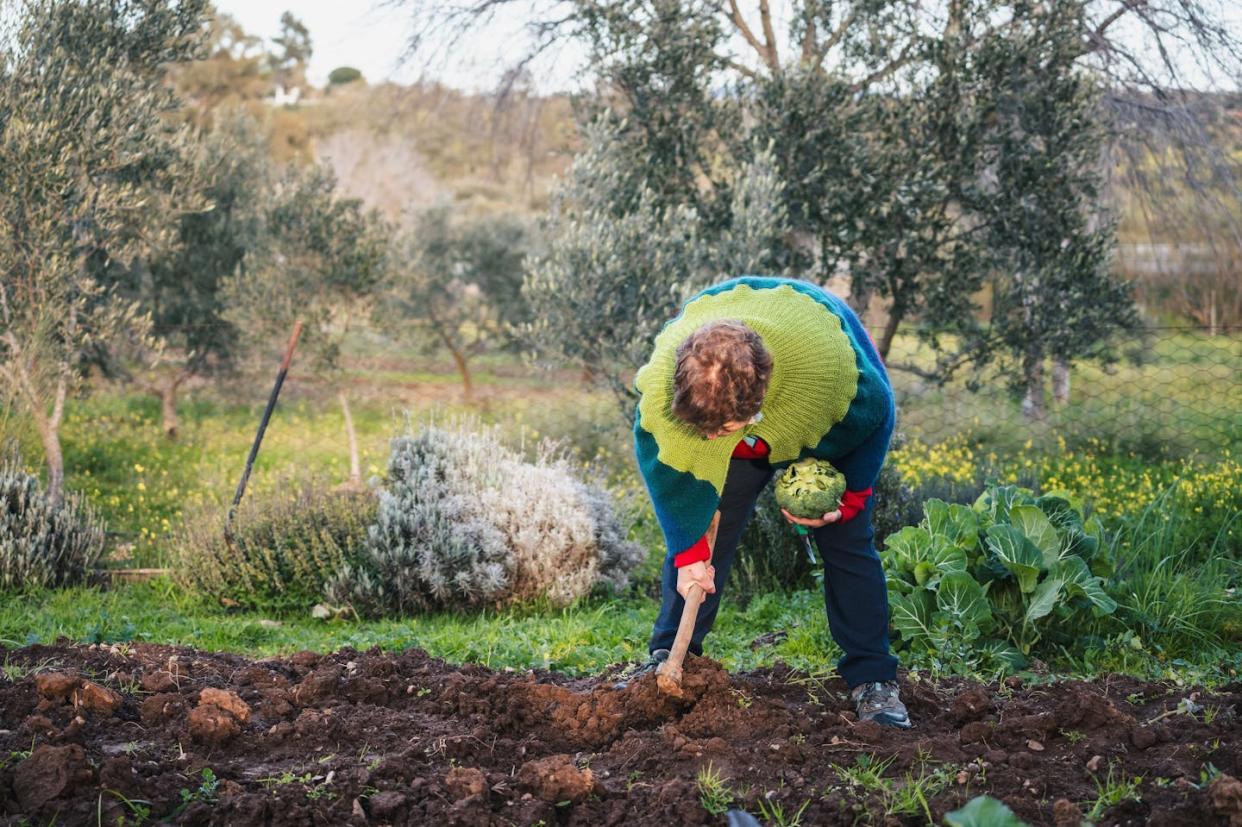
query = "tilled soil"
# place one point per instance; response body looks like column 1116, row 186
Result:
column 100, row 734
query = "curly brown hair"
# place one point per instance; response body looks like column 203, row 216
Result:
column 722, row 374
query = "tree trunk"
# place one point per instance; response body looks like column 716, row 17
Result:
column 168, row 407
column 355, row 465
column 859, row 300
column 49, row 434
column 464, row 369
column 1060, row 381
column 1033, row 369
column 895, row 314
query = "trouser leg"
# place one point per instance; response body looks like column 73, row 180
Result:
column 745, row 480
column 856, row 598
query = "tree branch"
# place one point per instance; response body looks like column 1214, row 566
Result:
column 765, row 16
column 735, row 15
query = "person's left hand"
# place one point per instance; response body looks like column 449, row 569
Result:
column 830, row 517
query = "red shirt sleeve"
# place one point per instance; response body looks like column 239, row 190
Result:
column 852, row 502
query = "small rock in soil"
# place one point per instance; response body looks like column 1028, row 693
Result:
column 95, row 698
column 1094, row 764
column 555, row 778
column 1225, row 794
column 463, row 782
column 49, row 773
column 1034, row 746
column 230, row 702
column 1065, row 813
column 971, row 705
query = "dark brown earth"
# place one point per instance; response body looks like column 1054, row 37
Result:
column 97, row 734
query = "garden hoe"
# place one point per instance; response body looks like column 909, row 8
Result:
column 668, row 674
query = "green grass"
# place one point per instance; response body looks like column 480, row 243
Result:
column 1175, row 396
column 582, row 639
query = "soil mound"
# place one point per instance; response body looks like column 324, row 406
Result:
column 376, row 738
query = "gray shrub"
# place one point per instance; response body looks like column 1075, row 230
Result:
column 44, row 543
column 465, row 522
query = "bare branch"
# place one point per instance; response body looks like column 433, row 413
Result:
column 735, row 16
column 836, row 37
column 884, row 72
column 765, row 16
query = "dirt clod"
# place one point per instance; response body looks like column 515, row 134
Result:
column 49, row 773
column 1225, row 795
column 974, row 732
column 55, row 687
column 95, row 698
column 971, row 705
column 209, row 724
column 555, row 778
column 463, row 782
column 385, row 805
column 160, row 681
column 1143, row 737
column 230, row 702
column 1065, row 813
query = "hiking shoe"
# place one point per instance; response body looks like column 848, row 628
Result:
column 879, row 701
column 635, row 672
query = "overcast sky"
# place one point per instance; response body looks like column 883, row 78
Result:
column 371, row 36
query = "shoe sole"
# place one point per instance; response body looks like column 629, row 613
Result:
column 894, row 723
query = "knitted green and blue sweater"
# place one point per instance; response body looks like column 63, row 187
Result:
column 828, row 397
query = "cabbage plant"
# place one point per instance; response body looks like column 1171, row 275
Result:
column 992, row 578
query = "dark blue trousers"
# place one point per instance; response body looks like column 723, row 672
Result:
column 855, row 595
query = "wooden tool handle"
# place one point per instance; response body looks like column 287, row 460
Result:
column 689, row 615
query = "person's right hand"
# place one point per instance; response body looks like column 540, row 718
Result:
column 701, row 573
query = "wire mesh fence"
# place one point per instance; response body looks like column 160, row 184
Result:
column 1173, row 391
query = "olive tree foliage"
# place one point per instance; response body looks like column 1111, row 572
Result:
column 879, row 120
column 611, row 277
column 319, row 261
column 181, row 288
column 1055, row 294
column 458, row 279
column 91, row 174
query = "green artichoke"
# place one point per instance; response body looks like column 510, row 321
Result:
column 810, row 488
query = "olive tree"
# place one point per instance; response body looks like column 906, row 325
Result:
column 459, row 279
column 181, row 289
column 91, row 173
column 320, row 259
column 620, row 261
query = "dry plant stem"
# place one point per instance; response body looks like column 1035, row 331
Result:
column 668, row 674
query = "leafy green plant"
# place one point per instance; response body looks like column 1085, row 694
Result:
column 983, row 811
column 44, row 542
column 990, row 578
column 285, row 546
column 205, row 792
